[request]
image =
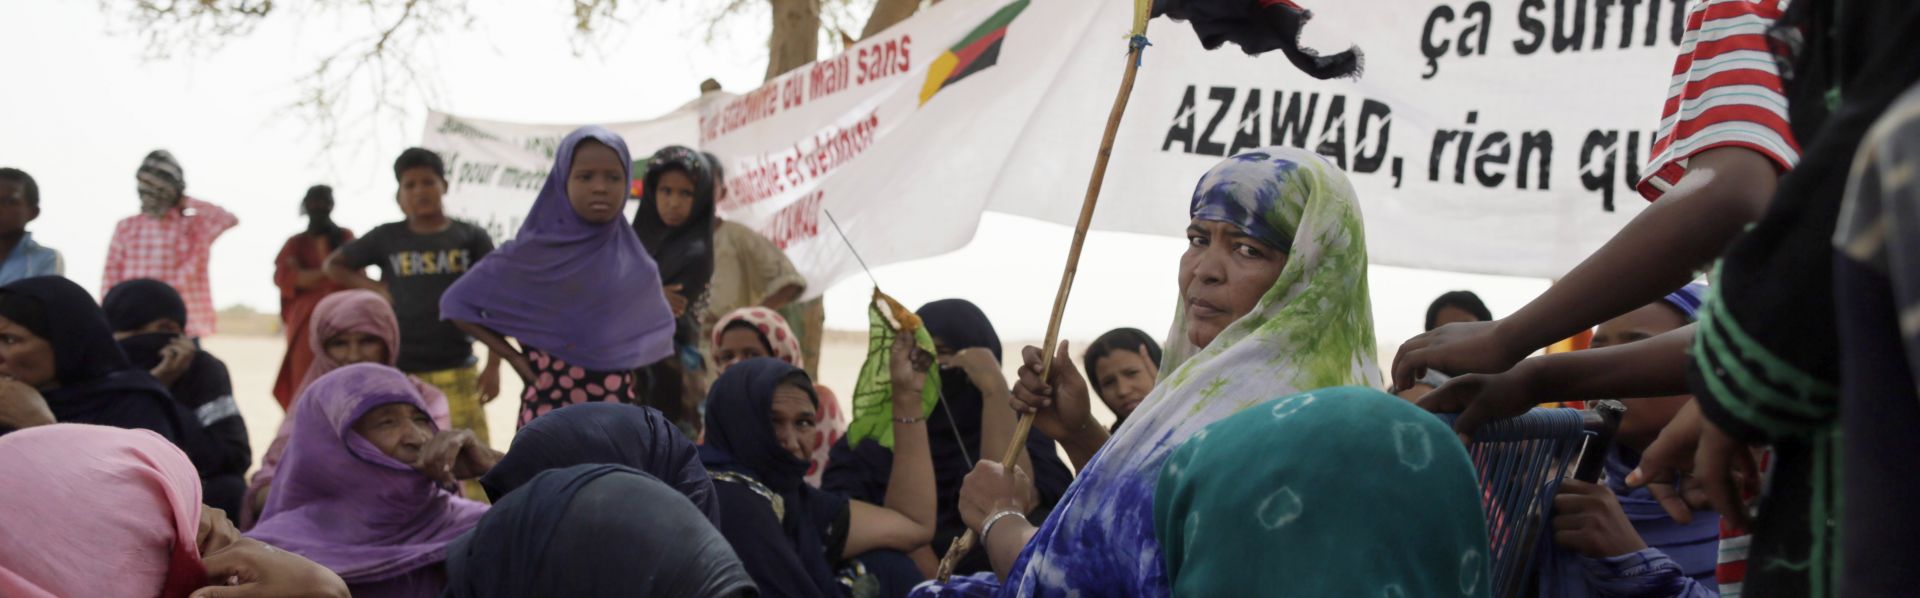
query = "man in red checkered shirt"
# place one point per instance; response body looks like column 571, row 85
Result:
column 169, row 240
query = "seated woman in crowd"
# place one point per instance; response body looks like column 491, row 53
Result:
column 573, row 287
column 1617, row 541
column 1273, row 301
column 605, row 434
column 56, row 347
column 595, row 530
column 366, row 485
column 797, row 540
column 99, row 511
column 970, row 422
column 149, row 320
column 348, row 327
column 1125, row 364
column 751, row 332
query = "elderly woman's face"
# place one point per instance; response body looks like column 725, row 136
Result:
column 398, row 429
column 1222, row 277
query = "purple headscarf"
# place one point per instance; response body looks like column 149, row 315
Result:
column 589, row 294
column 342, row 503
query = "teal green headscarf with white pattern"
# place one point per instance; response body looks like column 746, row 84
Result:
column 1336, row 492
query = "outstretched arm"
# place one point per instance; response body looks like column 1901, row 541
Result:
column 1724, row 190
column 1651, row 368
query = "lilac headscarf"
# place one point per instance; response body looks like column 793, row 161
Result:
column 342, row 503
column 589, row 294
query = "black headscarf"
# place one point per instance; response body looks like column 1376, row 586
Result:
column 609, row 433
column 98, row 385
column 953, row 434
column 685, row 252
column 135, row 303
column 787, row 554
column 594, row 530
column 138, row 302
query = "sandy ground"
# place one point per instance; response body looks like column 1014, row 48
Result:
column 253, row 359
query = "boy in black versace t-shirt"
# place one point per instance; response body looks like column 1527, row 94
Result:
column 418, row 259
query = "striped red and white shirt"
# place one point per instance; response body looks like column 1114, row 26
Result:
column 172, row 249
column 1725, row 92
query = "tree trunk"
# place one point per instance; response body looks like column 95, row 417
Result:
column 795, row 40
column 886, row 13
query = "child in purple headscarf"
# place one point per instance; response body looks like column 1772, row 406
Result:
column 575, row 287
column 364, row 488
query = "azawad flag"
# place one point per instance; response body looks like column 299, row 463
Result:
column 975, row 52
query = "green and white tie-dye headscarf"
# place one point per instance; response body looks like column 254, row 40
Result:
column 1313, row 329
column 1335, row 492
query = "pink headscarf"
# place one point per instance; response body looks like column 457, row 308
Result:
column 357, row 310
column 784, row 346
column 98, row 511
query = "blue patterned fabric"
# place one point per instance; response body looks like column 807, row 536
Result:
column 1249, row 191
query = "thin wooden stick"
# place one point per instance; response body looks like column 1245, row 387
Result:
column 964, row 544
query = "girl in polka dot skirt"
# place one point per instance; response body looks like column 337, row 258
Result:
column 574, row 288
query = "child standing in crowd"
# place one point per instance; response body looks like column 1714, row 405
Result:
column 573, row 287
column 303, row 283
column 169, row 240
column 675, row 222
column 20, row 256
column 419, row 259
column 148, row 319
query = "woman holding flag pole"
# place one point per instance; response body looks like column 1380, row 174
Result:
column 1273, row 301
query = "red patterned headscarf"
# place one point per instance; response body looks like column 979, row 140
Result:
column 773, row 330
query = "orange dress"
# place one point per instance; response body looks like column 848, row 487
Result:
column 304, row 251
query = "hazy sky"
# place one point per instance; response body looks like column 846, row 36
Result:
column 81, row 108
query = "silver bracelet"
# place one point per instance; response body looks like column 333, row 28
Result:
column 909, row 420
column 988, row 528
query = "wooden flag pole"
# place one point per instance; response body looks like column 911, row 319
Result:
column 964, row 544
